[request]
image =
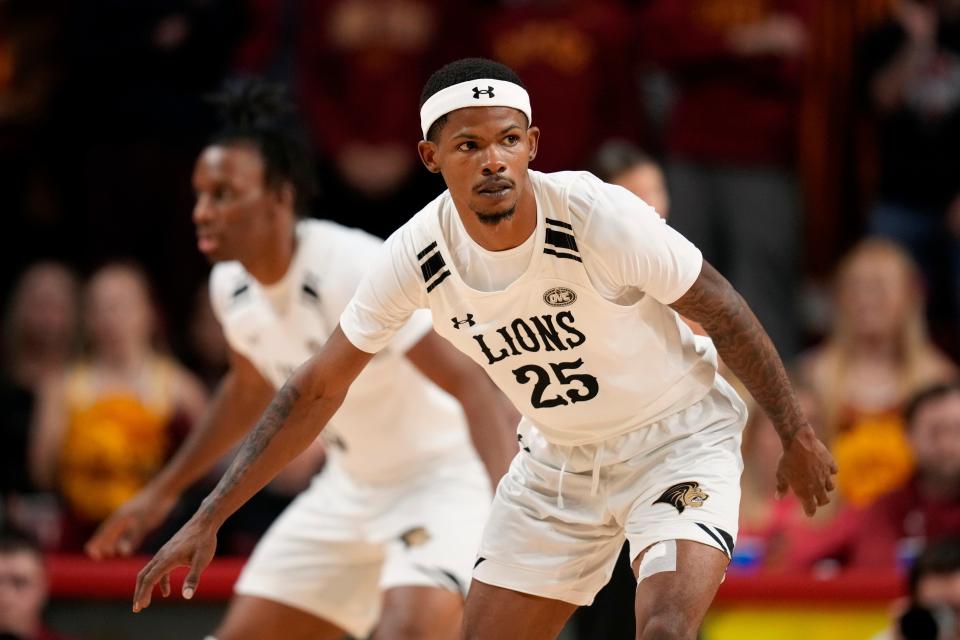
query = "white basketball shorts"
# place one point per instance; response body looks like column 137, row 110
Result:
column 561, row 513
column 338, row 546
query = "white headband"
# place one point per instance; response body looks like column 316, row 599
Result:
column 474, row 93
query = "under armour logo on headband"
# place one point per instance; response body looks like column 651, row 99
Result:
column 488, row 91
column 497, row 93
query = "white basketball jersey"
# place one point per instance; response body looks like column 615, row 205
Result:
column 393, row 420
column 579, row 366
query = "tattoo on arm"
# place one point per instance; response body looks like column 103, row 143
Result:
column 256, row 442
column 744, row 346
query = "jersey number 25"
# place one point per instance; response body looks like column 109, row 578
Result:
column 589, row 391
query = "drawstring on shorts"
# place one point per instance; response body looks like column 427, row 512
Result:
column 594, row 476
column 563, row 470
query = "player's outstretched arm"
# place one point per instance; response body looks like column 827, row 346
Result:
column 806, row 466
column 491, row 418
column 242, row 395
column 301, row 408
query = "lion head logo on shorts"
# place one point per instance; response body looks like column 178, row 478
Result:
column 415, row 537
column 683, row 495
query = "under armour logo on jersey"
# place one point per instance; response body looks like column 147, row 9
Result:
column 469, row 321
column 477, row 91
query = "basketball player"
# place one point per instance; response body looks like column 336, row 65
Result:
column 567, row 291
column 400, row 506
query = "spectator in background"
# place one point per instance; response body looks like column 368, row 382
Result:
column 932, row 609
column 39, row 340
column 575, row 58
column 927, row 506
column 623, row 163
column 730, row 140
column 876, row 356
column 107, row 425
column 23, row 589
column 935, row 587
column 362, row 65
column 911, row 73
column 40, row 332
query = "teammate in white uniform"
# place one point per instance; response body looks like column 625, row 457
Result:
column 566, row 290
column 399, row 508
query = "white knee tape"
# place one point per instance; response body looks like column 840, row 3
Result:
column 660, row 557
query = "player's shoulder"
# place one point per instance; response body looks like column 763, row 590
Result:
column 563, row 180
column 226, row 279
column 324, row 236
column 595, row 206
column 422, row 230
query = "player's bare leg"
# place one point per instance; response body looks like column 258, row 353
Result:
column 671, row 605
column 420, row 613
column 253, row 618
column 494, row 612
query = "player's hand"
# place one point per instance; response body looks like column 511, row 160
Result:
column 808, row 468
column 193, row 546
column 123, row 532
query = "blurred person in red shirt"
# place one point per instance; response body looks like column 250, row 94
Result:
column 23, row 589
column 910, row 70
column 576, row 58
column 927, row 507
column 736, row 68
column 362, row 64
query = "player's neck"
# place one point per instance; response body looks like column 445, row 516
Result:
column 508, row 233
column 272, row 260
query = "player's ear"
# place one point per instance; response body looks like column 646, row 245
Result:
column 428, row 155
column 533, row 141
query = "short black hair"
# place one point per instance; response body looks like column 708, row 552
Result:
column 616, row 156
column 15, row 541
column 463, row 70
column 939, row 557
column 926, row 395
column 259, row 113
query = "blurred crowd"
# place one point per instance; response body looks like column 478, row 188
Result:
column 810, row 148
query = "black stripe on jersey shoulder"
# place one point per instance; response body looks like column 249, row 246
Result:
column 433, row 285
column 559, row 223
column 559, row 254
column 561, row 240
column 430, row 247
column 432, row 266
